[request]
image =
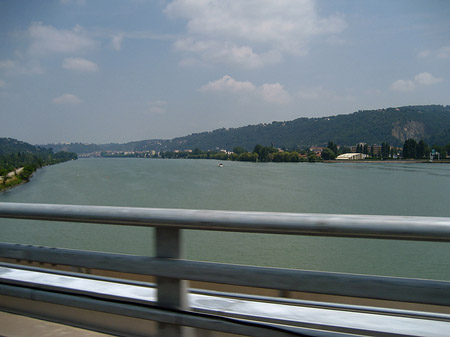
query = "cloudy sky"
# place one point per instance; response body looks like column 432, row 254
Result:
column 116, row 71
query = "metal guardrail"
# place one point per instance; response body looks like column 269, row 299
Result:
column 362, row 226
column 172, row 272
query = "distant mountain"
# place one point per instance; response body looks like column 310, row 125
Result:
column 393, row 125
column 13, row 150
column 81, row 148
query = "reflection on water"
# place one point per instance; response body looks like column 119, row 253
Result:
column 346, row 188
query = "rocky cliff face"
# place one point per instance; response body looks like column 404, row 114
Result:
column 407, row 130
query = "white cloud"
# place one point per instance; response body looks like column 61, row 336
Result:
column 275, row 93
column 226, row 52
column 426, row 79
column 269, row 92
column 250, row 33
column 227, row 83
column 117, row 41
column 441, row 53
column 49, row 40
column 403, row 85
column 66, row 99
column 79, row 64
column 2, row 84
column 422, row 79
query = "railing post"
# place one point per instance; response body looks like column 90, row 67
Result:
column 172, row 293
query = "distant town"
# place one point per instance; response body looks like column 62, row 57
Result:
column 360, row 151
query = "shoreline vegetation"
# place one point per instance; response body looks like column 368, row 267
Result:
column 412, row 151
column 19, row 161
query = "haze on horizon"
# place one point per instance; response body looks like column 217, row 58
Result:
column 117, row 71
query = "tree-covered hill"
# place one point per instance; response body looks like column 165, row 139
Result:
column 392, row 125
column 15, row 154
column 10, row 145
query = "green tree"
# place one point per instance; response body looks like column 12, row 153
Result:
column 293, row 157
column 265, row 153
column 385, row 150
column 238, row 150
column 333, row 147
column 328, row 154
column 312, row 158
column 420, row 149
column 233, row 156
column 5, row 179
column 410, row 148
column 366, row 149
column 247, row 156
column 27, row 172
column 258, row 149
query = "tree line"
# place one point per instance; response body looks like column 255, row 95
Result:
column 259, row 154
column 15, row 155
column 420, row 150
column 411, row 150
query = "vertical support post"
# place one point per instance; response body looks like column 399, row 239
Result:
column 172, row 293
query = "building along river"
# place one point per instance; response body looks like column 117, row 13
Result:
column 344, row 188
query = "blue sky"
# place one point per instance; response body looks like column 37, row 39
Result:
column 116, row 71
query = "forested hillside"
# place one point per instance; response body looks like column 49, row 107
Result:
column 392, row 125
column 18, row 160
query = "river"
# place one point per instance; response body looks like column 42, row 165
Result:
column 344, row 188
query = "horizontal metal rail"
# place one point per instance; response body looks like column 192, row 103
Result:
column 240, row 296
column 172, row 271
column 135, row 310
column 341, row 284
column 362, row 226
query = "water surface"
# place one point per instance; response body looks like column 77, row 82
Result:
column 344, row 188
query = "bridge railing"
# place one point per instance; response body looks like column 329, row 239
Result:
column 172, row 272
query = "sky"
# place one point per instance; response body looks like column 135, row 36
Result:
column 101, row 71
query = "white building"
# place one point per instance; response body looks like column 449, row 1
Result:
column 352, row 156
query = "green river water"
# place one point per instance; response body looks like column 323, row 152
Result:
column 344, row 188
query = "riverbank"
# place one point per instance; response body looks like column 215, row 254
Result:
column 12, row 174
column 13, row 179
